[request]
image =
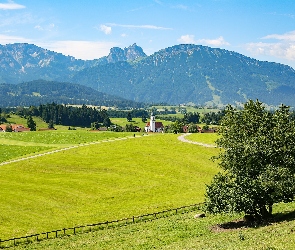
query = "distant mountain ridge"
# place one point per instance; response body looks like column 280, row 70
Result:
column 178, row 74
column 193, row 73
column 23, row 62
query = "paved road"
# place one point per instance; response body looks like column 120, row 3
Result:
column 182, row 138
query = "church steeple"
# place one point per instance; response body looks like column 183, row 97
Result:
column 153, row 123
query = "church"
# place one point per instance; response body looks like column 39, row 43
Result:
column 153, row 126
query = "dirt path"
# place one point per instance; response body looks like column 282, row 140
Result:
column 182, row 138
column 63, row 149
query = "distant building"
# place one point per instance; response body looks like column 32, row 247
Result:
column 153, row 126
column 15, row 128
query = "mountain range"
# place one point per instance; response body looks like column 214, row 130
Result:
column 184, row 73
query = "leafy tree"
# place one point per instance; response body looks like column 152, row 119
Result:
column 129, row 117
column 193, row 128
column 131, row 128
column 258, row 161
column 107, row 122
column 116, row 128
column 31, row 123
column 8, row 128
column 95, row 125
column 176, row 127
column 144, row 118
column 51, row 124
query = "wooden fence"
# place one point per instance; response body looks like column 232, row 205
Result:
column 96, row 226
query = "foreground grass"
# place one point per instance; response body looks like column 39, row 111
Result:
column 182, row 231
column 99, row 182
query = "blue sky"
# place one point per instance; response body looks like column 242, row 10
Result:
column 87, row 29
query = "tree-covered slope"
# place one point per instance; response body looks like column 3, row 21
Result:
column 41, row 92
column 192, row 73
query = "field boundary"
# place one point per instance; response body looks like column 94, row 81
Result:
column 96, row 226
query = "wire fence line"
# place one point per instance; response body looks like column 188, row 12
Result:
column 96, row 226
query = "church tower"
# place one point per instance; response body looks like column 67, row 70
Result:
column 153, row 123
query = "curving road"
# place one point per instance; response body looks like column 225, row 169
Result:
column 182, row 138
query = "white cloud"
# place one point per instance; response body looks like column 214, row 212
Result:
column 214, row 42
column 283, row 48
column 4, row 39
column 49, row 27
column 131, row 26
column 86, row 50
column 289, row 36
column 123, row 35
column 187, row 39
column 10, row 5
column 278, row 50
column 211, row 42
column 106, row 29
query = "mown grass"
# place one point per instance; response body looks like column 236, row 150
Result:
column 105, row 181
column 208, row 138
column 183, row 231
column 8, row 152
column 62, row 137
column 15, row 145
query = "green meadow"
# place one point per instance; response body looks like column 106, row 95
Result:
column 207, row 138
column 183, row 231
column 107, row 176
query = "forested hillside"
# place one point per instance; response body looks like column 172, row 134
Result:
column 43, row 92
column 198, row 74
column 183, row 73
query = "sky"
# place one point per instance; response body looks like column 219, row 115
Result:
column 88, row 29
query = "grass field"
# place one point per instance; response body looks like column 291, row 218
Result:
column 183, row 231
column 120, row 176
column 109, row 180
column 208, row 138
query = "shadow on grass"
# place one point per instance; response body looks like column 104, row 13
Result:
column 243, row 223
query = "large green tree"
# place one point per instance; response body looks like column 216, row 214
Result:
column 257, row 159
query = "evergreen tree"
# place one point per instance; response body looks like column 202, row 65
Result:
column 31, row 123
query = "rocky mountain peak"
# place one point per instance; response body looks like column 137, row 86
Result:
column 131, row 53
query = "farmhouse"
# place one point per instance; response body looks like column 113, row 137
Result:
column 15, row 128
column 153, row 126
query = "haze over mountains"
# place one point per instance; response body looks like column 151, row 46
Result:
column 179, row 74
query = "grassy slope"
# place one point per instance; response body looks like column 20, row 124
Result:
column 106, row 181
column 34, row 193
column 208, row 138
column 182, row 231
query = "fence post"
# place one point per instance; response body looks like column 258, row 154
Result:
column 74, row 230
column 64, row 230
column 56, row 234
column 133, row 219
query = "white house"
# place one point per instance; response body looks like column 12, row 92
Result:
column 153, row 126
